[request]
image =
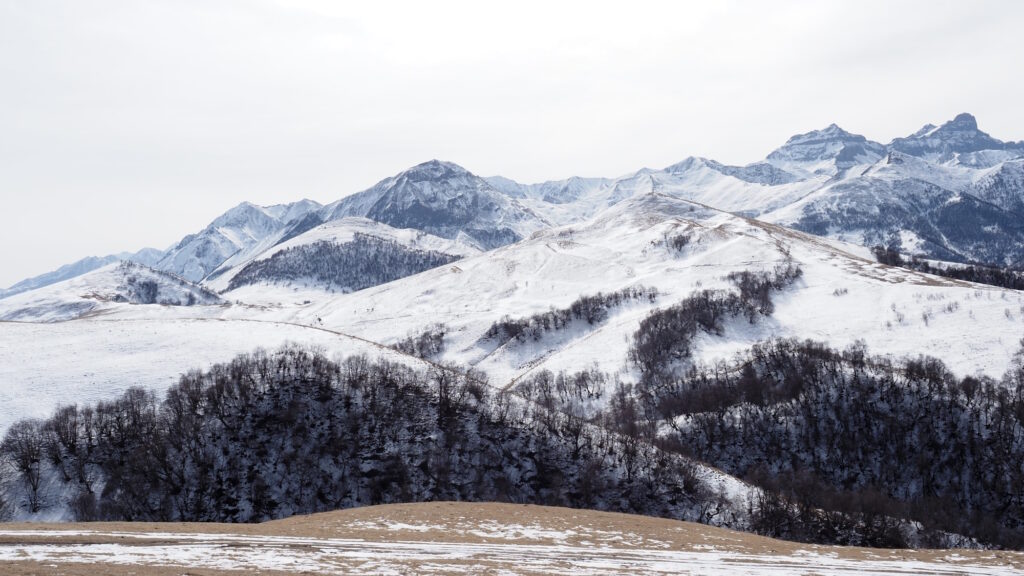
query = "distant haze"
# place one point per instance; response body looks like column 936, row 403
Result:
column 130, row 123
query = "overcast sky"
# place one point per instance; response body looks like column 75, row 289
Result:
column 131, row 123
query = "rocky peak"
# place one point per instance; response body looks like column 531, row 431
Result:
column 957, row 136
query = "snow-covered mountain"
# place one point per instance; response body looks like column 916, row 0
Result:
column 908, row 203
column 245, row 230
column 950, row 192
column 956, row 137
column 445, row 200
column 104, row 289
column 440, row 199
column 827, row 150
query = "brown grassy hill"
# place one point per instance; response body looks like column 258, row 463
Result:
column 454, row 538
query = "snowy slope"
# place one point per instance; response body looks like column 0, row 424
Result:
column 843, row 297
column 1002, row 186
column 342, row 232
column 147, row 256
column 88, row 360
column 115, row 285
column 893, row 310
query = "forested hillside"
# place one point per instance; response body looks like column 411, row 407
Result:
column 271, row 435
column 365, row 261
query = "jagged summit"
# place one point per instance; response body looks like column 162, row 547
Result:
column 444, row 199
column 957, row 136
column 829, row 144
column 244, row 213
column 434, row 169
column 427, row 183
column 829, row 133
column 687, row 164
column 963, row 121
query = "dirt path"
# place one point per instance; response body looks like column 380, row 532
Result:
column 450, row 538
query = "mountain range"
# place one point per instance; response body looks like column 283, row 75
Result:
column 950, row 192
column 438, row 244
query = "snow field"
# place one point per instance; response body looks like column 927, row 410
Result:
column 86, row 361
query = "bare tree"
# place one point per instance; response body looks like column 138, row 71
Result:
column 23, row 446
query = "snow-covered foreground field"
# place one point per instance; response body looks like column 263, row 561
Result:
column 450, row 538
column 85, row 361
